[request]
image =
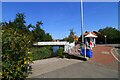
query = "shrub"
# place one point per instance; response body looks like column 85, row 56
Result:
column 60, row 52
column 41, row 53
column 15, row 54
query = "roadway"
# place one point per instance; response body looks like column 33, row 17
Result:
column 71, row 68
column 102, row 65
column 81, row 70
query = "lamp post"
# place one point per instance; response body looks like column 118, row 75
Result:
column 82, row 25
column 105, row 39
column 82, row 22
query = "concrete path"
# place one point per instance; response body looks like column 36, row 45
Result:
column 102, row 65
column 81, row 70
column 70, row 68
column 51, row 64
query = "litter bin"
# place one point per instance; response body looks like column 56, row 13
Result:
column 88, row 53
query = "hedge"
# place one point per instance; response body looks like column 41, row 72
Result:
column 41, row 53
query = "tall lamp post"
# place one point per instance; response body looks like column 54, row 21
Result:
column 105, row 39
column 82, row 25
column 82, row 22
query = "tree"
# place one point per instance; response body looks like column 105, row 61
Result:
column 19, row 21
column 111, row 33
column 47, row 37
column 70, row 37
column 16, row 56
column 72, row 33
column 17, row 39
column 39, row 34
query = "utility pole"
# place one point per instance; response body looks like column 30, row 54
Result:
column 82, row 25
column 82, row 21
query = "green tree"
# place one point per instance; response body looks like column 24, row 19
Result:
column 16, row 41
column 47, row 37
column 72, row 33
column 39, row 34
column 70, row 37
column 60, row 52
column 16, row 57
column 111, row 33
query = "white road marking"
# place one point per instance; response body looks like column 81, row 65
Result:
column 114, row 55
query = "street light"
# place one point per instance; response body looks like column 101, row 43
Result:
column 82, row 25
column 105, row 39
column 82, row 22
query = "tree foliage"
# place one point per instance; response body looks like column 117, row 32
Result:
column 16, row 56
column 60, row 52
column 111, row 33
column 39, row 34
column 41, row 53
column 70, row 37
column 17, row 38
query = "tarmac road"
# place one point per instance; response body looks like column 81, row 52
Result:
column 101, row 65
column 81, row 70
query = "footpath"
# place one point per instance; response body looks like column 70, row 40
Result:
column 104, row 55
column 47, row 65
column 102, row 64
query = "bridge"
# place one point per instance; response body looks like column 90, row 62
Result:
column 69, row 48
column 66, row 45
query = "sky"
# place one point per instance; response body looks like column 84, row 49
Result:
column 59, row 17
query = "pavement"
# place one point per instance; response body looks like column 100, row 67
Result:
column 81, row 70
column 40, row 67
column 104, row 55
column 101, row 65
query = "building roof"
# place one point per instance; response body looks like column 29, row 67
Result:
column 90, row 34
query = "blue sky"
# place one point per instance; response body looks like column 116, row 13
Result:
column 59, row 17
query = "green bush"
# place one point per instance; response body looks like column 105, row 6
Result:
column 16, row 41
column 41, row 53
column 60, row 52
column 16, row 56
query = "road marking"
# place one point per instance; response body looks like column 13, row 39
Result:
column 104, row 52
column 114, row 55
